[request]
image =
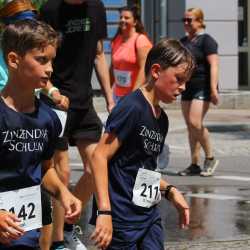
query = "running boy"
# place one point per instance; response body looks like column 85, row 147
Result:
column 28, row 132
column 124, row 161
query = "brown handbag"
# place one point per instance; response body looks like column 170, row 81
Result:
column 16, row 6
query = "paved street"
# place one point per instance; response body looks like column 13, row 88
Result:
column 220, row 205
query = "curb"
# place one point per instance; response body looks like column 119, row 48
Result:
column 233, row 99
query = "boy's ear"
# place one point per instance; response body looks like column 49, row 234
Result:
column 155, row 70
column 13, row 60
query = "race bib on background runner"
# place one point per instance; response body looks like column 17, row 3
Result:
column 122, row 78
column 25, row 203
column 146, row 191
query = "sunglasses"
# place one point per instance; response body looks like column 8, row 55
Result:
column 187, row 20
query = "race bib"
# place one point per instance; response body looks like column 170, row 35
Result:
column 146, row 191
column 122, row 78
column 25, row 204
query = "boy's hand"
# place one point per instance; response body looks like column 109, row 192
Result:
column 61, row 101
column 9, row 228
column 181, row 205
column 72, row 206
column 102, row 235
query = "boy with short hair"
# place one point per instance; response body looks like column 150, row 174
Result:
column 127, row 186
column 28, row 132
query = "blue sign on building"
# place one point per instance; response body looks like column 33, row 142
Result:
column 114, row 3
column 113, row 16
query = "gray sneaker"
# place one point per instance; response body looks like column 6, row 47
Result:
column 209, row 167
column 72, row 241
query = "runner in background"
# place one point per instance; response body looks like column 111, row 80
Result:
column 130, row 47
column 82, row 26
column 202, row 90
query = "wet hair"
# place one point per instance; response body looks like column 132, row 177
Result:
column 137, row 17
column 25, row 35
column 199, row 15
column 169, row 53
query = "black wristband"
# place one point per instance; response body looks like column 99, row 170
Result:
column 167, row 191
column 104, row 212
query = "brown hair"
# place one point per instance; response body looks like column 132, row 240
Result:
column 199, row 16
column 169, row 53
column 16, row 6
column 25, row 35
column 137, row 17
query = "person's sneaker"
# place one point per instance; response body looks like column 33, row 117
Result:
column 60, row 248
column 193, row 169
column 209, row 167
column 72, row 241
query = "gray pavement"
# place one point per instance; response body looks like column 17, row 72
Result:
column 220, row 205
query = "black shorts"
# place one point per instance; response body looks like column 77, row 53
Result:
column 199, row 93
column 46, row 208
column 83, row 124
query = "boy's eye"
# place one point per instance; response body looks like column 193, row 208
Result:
column 180, row 79
column 42, row 59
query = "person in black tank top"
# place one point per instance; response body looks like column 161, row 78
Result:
column 201, row 90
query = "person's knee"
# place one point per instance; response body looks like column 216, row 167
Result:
column 194, row 125
column 87, row 169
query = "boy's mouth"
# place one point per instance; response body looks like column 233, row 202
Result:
column 45, row 79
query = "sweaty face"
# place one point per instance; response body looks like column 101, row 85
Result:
column 127, row 20
column 36, row 66
column 170, row 83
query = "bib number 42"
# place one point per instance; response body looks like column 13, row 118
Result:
column 25, row 212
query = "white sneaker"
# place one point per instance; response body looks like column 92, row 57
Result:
column 209, row 167
column 72, row 241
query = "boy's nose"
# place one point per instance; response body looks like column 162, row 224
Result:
column 183, row 87
column 49, row 69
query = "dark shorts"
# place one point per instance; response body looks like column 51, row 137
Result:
column 46, row 208
column 83, row 124
column 201, row 93
column 149, row 238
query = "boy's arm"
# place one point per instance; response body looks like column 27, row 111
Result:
column 56, row 188
column 104, row 151
column 102, row 72
column 178, row 201
column 61, row 101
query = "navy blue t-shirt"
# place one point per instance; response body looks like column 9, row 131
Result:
column 200, row 47
column 142, row 137
column 26, row 139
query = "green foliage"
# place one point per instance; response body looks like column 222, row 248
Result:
column 37, row 3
